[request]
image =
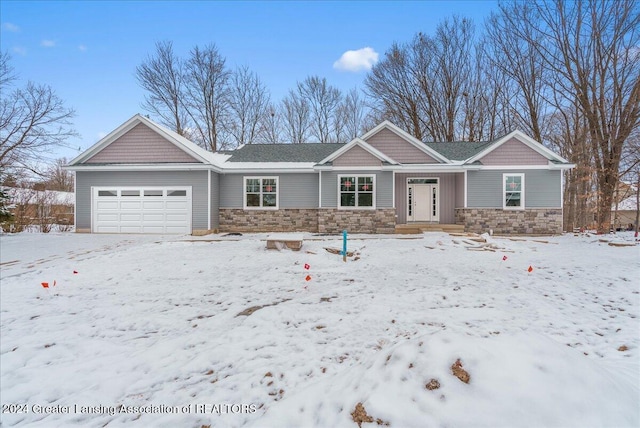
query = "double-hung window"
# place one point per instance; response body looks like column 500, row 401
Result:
column 356, row 191
column 513, row 191
column 261, row 192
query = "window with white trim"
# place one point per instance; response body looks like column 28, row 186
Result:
column 261, row 192
column 513, row 191
column 356, row 191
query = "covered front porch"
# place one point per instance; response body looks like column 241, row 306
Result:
column 427, row 201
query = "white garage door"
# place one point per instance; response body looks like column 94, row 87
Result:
column 141, row 210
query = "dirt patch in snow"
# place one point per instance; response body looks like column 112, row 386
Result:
column 359, row 415
column 460, row 372
column 252, row 309
column 433, row 384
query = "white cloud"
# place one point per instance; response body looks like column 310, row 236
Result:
column 20, row 50
column 102, row 134
column 48, row 43
column 12, row 28
column 82, row 48
column 361, row 59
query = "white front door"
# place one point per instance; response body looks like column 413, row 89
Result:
column 423, row 201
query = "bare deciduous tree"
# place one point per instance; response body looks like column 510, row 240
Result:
column 593, row 48
column 207, row 95
column 6, row 70
column 58, row 178
column 323, row 100
column 249, row 102
column 162, row 76
column 296, row 117
column 517, row 58
column 271, row 125
column 33, row 122
column 449, row 76
column 353, row 109
column 394, row 91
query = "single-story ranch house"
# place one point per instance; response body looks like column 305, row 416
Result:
column 144, row 178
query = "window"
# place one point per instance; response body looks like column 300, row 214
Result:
column 422, row 181
column 129, row 193
column 153, row 192
column 176, row 193
column 356, row 191
column 261, row 192
column 107, row 193
column 513, row 190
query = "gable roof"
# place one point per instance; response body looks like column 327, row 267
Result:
column 523, row 138
column 179, row 141
column 307, row 156
column 459, row 150
column 407, row 137
column 308, row 152
column 363, row 144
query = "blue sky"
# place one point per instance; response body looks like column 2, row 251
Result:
column 88, row 51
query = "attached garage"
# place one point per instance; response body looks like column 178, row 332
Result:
column 144, row 178
column 149, row 209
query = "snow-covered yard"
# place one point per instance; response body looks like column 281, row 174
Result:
column 190, row 332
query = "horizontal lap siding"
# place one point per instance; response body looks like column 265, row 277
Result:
column 511, row 150
column 296, row 190
column 231, row 189
column 447, row 186
column 196, row 179
column 541, row 188
column 215, row 200
column 384, row 187
column 357, row 156
column 397, row 148
column 141, row 145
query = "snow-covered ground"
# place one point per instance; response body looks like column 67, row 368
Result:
column 220, row 331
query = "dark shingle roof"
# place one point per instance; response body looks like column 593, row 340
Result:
column 459, row 150
column 308, row 152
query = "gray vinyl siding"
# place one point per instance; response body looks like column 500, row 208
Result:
column 541, row 188
column 295, row 190
column 384, row 187
column 215, row 200
column 447, row 187
column 196, row 179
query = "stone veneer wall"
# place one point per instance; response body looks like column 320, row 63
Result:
column 538, row 221
column 323, row 220
column 332, row 220
column 284, row 220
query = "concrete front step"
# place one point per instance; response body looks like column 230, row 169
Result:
column 432, row 227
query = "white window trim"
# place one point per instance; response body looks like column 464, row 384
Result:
column 356, row 176
column 260, row 177
column 504, row 191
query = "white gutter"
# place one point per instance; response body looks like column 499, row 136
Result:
column 144, row 167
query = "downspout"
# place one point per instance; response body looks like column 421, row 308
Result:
column 75, row 204
column 208, row 200
column 320, row 189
